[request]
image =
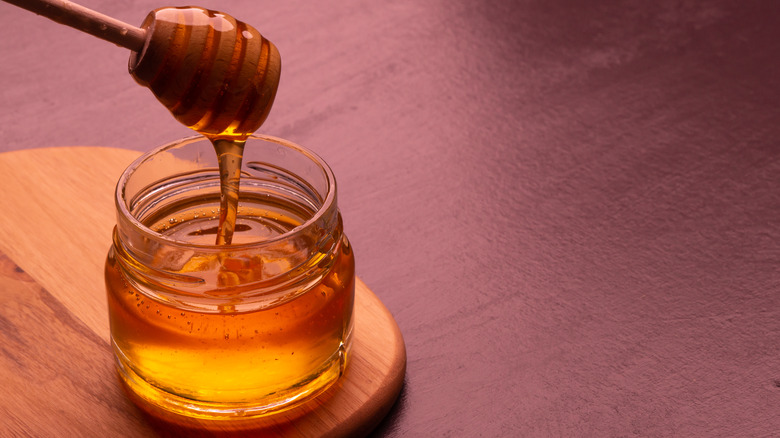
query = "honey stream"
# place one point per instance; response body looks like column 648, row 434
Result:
column 217, row 76
column 230, row 154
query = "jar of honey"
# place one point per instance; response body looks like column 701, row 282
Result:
column 237, row 330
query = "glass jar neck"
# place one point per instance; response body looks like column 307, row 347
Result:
column 287, row 234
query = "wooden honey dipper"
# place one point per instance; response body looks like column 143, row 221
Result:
column 216, row 75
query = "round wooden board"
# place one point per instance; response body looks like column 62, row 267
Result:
column 56, row 223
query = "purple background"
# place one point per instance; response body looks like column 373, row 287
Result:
column 571, row 208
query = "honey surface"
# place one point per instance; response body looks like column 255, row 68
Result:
column 231, row 355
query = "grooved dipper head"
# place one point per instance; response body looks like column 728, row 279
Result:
column 215, row 74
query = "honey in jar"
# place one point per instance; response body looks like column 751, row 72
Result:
column 239, row 330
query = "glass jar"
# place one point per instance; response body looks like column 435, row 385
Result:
column 228, row 331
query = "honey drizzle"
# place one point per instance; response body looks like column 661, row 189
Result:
column 230, row 154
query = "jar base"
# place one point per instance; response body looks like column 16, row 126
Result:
column 147, row 395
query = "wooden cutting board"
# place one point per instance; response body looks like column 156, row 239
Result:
column 56, row 368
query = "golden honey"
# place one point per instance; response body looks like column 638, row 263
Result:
column 239, row 330
column 230, row 281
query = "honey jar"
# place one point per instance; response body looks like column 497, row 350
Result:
column 237, row 330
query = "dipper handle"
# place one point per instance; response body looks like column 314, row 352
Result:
column 87, row 20
column 216, row 75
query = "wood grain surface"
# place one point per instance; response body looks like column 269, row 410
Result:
column 57, row 374
column 570, row 208
column 55, row 361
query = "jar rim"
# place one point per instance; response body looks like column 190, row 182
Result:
column 327, row 201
